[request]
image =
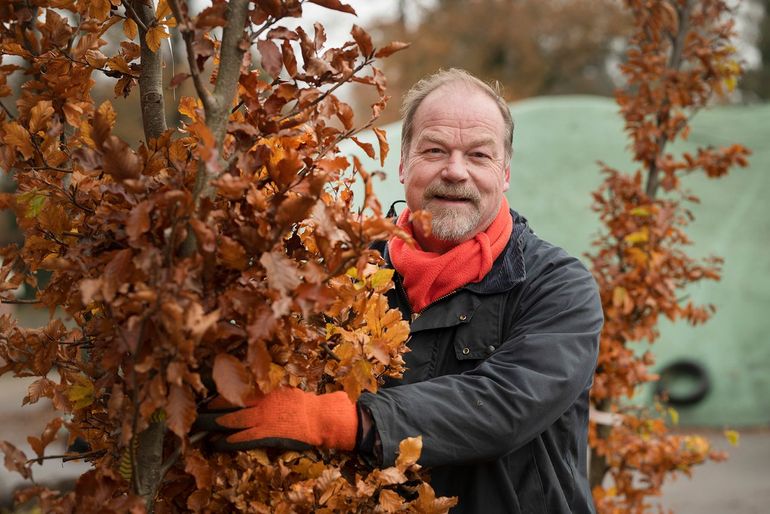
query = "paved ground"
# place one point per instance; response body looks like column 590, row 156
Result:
column 740, row 485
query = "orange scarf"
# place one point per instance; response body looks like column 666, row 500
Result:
column 428, row 276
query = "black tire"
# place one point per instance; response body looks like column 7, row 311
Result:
column 688, row 368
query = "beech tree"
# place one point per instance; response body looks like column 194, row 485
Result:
column 679, row 58
column 222, row 255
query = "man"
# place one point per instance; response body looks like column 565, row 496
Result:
column 504, row 329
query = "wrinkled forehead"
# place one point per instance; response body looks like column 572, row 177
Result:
column 460, row 101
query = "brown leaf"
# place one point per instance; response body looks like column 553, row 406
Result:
column 232, row 254
column 199, row 500
column 234, row 383
column 116, row 272
column 178, row 79
column 207, row 239
column 368, row 148
column 180, row 410
column 259, row 360
column 198, row 467
column 390, row 49
column 294, row 209
column 317, row 67
column 390, row 501
column 49, row 434
column 39, row 116
column 119, row 63
column 389, row 476
column 272, row 62
column 41, row 387
column 427, row 503
column 282, row 272
column 382, row 138
column 334, row 4
column 198, row 322
column 154, row 36
column 289, row 60
column 409, row 451
column 15, row 460
column 17, row 138
column 363, row 40
column 138, row 221
column 89, row 288
column 120, row 160
column 129, row 28
column 320, row 36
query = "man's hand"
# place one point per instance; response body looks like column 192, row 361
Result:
column 285, row 418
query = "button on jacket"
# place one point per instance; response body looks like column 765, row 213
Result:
column 497, row 384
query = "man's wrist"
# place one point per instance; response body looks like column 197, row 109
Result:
column 368, row 444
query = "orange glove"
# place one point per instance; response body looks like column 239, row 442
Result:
column 285, row 418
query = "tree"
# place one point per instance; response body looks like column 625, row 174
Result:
column 225, row 254
column 680, row 56
column 758, row 80
column 531, row 47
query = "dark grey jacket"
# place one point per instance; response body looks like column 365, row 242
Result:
column 497, row 384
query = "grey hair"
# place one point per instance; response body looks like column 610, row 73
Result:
column 426, row 86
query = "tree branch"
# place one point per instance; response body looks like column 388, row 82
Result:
column 230, row 58
column 188, row 36
column 674, row 63
column 151, row 79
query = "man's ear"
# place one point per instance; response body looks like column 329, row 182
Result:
column 507, row 183
column 401, row 172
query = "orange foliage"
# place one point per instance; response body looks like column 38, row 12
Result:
column 679, row 56
column 197, row 260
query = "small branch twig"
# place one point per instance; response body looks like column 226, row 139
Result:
column 66, row 457
column 11, row 116
column 344, row 80
column 19, row 302
column 329, row 352
column 188, row 36
column 49, row 168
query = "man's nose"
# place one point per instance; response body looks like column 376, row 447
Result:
column 456, row 168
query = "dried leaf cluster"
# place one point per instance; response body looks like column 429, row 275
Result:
column 223, row 254
column 680, row 56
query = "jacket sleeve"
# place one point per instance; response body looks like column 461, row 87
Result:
column 546, row 362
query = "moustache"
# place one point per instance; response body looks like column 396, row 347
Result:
column 452, row 192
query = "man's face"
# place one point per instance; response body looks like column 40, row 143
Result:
column 456, row 167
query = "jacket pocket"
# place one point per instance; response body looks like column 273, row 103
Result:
column 479, row 337
column 475, row 343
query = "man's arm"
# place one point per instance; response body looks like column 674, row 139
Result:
column 546, row 362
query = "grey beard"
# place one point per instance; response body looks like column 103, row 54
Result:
column 453, row 224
